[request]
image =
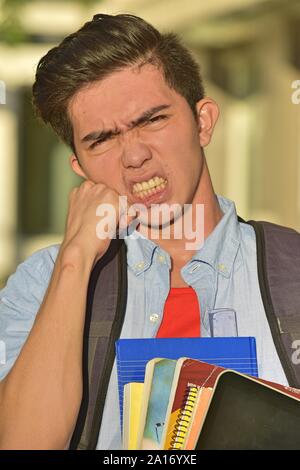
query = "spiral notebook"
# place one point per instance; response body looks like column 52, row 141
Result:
column 239, row 411
column 190, row 377
column 238, row 353
column 185, row 417
column 246, row 413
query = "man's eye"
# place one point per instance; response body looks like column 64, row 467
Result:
column 96, row 143
column 160, row 117
column 100, row 141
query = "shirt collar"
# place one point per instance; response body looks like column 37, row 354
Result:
column 140, row 252
column 221, row 246
column 219, row 249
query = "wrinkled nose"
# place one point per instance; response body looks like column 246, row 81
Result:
column 135, row 154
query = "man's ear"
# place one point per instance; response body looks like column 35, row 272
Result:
column 207, row 113
column 75, row 165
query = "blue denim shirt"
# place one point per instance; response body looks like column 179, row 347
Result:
column 223, row 274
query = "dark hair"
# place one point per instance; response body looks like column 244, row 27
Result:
column 102, row 46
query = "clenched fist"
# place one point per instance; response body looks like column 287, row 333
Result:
column 90, row 224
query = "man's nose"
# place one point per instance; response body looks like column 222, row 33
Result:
column 135, row 153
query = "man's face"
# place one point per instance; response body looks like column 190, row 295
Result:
column 139, row 137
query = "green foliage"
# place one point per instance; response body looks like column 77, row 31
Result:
column 11, row 29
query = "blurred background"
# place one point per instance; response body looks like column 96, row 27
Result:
column 249, row 51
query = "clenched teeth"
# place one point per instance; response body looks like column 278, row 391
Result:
column 144, row 194
column 145, row 188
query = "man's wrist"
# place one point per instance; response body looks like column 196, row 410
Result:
column 74, row 255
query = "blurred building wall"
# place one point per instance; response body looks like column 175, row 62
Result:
column 250, row 56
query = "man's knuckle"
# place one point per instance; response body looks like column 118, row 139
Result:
column 87, row 184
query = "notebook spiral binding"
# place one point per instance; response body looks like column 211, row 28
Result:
column 184, row 418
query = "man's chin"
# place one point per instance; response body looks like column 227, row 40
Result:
column 158, row 218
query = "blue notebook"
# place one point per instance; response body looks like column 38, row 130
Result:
column 237, row 353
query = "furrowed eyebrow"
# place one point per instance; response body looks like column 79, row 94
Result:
column 107, row 134
column 148, row 114
column 100, row 135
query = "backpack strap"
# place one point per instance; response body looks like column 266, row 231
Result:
column 278, row 262
column 106, row 306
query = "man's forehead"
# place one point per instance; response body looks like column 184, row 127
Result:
column 123, row 95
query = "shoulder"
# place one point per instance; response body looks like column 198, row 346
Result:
column 275, row 237
column 253, row 229
column 248, row 237
column 39, row 265
column 20, row 301
column 42, row 260
column 30, row 280
column 277, row 247
column 268, row 239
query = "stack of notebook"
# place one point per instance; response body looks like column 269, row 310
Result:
column 213, row 401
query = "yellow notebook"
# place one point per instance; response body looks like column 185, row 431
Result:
column 133, row 393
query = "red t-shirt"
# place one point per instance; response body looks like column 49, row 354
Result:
column 181, row 314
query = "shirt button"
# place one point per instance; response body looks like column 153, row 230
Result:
column 161, row 258
column 140, row 265
column 222, row 267
column 154, row 317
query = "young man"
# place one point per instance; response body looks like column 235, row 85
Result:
column 131, row 105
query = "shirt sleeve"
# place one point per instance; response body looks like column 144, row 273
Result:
column 20, row 301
